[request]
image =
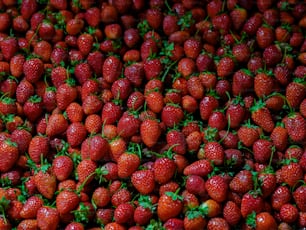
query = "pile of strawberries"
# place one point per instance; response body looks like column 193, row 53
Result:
column 159, row 114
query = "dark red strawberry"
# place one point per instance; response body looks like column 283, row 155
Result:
column 252, row 24
column 295, row 92
column 47, row 218
column 177, row 142
column 33, row 69
column 272, row 55
column 231, row 213
column 164, row 169
column 217, row 188
column 242, row 82
column 251, row 203
column 9, row 153
column 295, row 125
column 128, row 125
column 143, row 181
column 112, row 68
column 65, row 94
column 172, row 115
column 242, row 182
column 207, row 105
column 45, row 184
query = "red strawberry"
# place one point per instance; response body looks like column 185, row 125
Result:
column 295, row 125
column 57, row 124
column 177, row 142
column 169, row 205
column 264, row 220
column 262, row 150
column 289, row 213
column 65, row 94
column 127, row 164
column 214, row 152
column 82, row 72
column 186, row 66
column 74, row 112
column 93, row 123
column 49, row 99
column 272, row 55
column 5, row 18
column 172, row 115
column 144, row 211
column 225, row 67
column 121, row 89
column 33, row 69
column 200, row 167
column 66, row 201
column 251, row 203
column 196, row 185
column 128, row 125
column 155, row 101
column 124, row 213
column 22, row 137
column 112, row 68
column 16, row 65
column 262, row 116
column 194, row 220
column 299, row 197
column 291, row 173
column 135, row 73
column 28, row 224
column 263, row 84
column 91, row 104
column 38, row 147
column 85, row 43
column 265, row 36
column 238, row 16
column 235, row 112
column 76, row 134
column 143, row 181
column 242, row 82
column 242, row 182
column 280, row 196
column 95, row 147
column 150, row 132
column 207, row 105
column 217, row 223
column 47, row 218
column 217, row 188
column 45, row 184
column 7, row 105
column 101, row 197
column 152, row 68
column 9, row 46
column 248, row 134
column 28, row 8
column 9, row 153
column 85, row 170
column 295, row 92
column 32, row 108
column 231, row 213
column 252, row 24
column 164, row 169
column 62, row 167
column 195, row 87
column 135, row 100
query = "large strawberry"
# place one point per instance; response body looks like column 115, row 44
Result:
column 47, row 218
column 169, row 205
column 150, row 132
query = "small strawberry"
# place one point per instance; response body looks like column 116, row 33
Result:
column 169, row 205
column 238, row 16
column 124, row 213
column 295, row 125
column 272, row 55
column 144, row 211
column 9, row 46
column 252, row 24
column 217, row 188
column 194, row 220
column 28, row 224
column 295, row 92
column 155, row 101
column 214, row 152
column 280, row 196
column 47, row 218
column 176, row 140
column 263, row 83
column 225, row 67
column 65, row 94
column 195, row 185
column 85, row 43
column 91, row 104
column 262, row 150
column 262, row 116
column 101, row 197
column 95, row 147
column 9, row 154
column 7, row 105
column 200, row 167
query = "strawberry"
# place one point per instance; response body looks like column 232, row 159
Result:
column 169, row 205
column 291, row 173
column 5, row 18
column 252, row 24
column 7, row 105
column 280, row 196
column 91, row 104
column 207, row 105
column 38, row 147
column 262, row 116
column 262, row 150
column 30, row 207
column 95, row 147
column 214, row 152
column 155, row 101
column 231, row 213
column 200, row 167
column 124, row 213
column 194, row 220
column 265, row 36
column 33, row 69
column 85, row 43
column 279, row 137
column 47, row 218
column 195, row 87
column 28, row 224
column 248, row 134
column 235, row 112
column 9, row 46
column 289, row 213
column 82, row 72
column 242, row 182
column 9, row 153
column 295, row 125
column 112, row 68
column 217, row 223
column 66, row 201
column 32, row 108
column 62, row 167
column 57, row 124
column 45, row 184
column 195, row 185
column 295, row 92
column 272, row 55
column 299, row 197
column 263, row 84
column 127, row 164
column 177, row 142
column 65, row 94
column 101, row 197
column 264, row 220
column 171, row 115
column 164, row 169
column 128, row 125
column 225, row 67
column 242, row 82
column 251, row 203
column 186, row 66
column 76, row 134
column 117, row 147
column 217, row 188
column 22, row 137
column 121, row 88
column 74, row 112
column 238, row 17
column 152, row 68
column 144, row 211
column 93, row 123
column 135, row 73
column 85, row 170
column 28, row 8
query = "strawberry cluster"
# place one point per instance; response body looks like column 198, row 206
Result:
column 149, row 115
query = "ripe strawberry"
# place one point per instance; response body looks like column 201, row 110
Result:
column 186, row 66
column 45, row 184
column 295, row 125
column 124, row 213
column 66, row 93
column 47, row 218
column 279, row 137
column 299, row 197
column 82, row 72
column 150, row 132
column 280, row 196
column 169, row 205
column 38, row 147
column 262, row 116
column 9, row 153
column 112, row 68
column 9, row 46
column 164, row 169
column 217, row 188
column 135, row 100
column 91, row 104
column 74, row 112
column 225, row 67
column 171, row 115
column 238, row 17
column 117, row 147
column 200, row 167
column 262, row 150
column 217, row 223
column 135, row 73
column 295, row 92
column 33, row 69
column 144, row 211
column 155, row 101
column 251, row 203
column 62, row 167
column 5, row 18
column 101, row 197
column 289, row 213
column 231, row 213
column 194, row 220
column 252, row 24
column 85, row 170
column 127, row 164
column 263, row 84
column 22, row 137
column 196, row 185
column 76, row 134
column 177, row 142
column 57, row 124
column 28, row 224
column 152, row 68
column 85, row 43
column 207, row 105
column 128, row 125
column 214, row 152
column 291, row 173
column 143, row 181
column 242, row 182
column 242, row 82
column 264, row 220
column 7, row 105
column 66, row 201
column 272, row 55
column 32, row 108
column 31, row 206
